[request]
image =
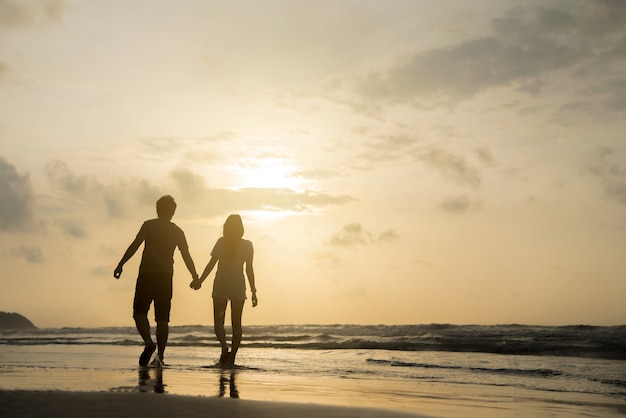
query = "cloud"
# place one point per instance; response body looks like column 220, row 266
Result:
column 102, row 271
column 388, row 147
column 4, row 71
column 526, row 44
column 611, row 173
column 16, row 14
column 211, row 148
column 457, row 204
column 353, row 235
column 120, row 197
column 388, row 236
column 30, row 254
column 485, row 156
column 317, row 174
column 601, row 100
column 115, row 199
column 463, row 71
column 73, row 228
column 208, row 201
column 17, row 199
column 616, row 95
column 60, row 174
column 19, row 14
column 451, row 166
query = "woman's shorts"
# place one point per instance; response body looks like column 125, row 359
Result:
column 229, row 289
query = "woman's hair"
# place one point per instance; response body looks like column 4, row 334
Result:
column 233, row 232
column 233, row 227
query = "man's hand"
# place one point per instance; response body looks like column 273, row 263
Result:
column 118, row 271
column 255, row 301
column 196, row 284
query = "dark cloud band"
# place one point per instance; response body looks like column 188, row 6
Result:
column 17, row 199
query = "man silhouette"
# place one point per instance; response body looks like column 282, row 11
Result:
column 154, row 282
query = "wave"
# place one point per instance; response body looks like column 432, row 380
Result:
column 576, row 340
column 500, row 370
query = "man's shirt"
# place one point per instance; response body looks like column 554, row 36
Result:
column 161, row 237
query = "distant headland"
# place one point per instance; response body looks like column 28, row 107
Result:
column 11, row 320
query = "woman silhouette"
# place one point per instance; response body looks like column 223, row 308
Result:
column 230, row 253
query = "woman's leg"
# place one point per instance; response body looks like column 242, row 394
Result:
column 219, row 313
column 236, row 310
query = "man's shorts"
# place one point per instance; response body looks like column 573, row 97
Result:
column 155, row 287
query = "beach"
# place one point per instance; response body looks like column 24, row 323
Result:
column 149, row 397
column 287, row 371
column 31, row 404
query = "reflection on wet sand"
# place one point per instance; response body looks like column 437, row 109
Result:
column 147, row 383
column 228, row 377
column 151, row 380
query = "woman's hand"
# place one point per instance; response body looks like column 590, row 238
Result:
column 255, row 301
column 195, row 284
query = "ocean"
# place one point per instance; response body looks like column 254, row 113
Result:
column 501, row 370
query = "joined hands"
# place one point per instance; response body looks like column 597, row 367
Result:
column 196, row 283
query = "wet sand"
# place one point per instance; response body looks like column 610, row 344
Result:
column 33, row 404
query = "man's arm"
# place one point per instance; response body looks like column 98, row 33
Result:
column 132, row 249
column 197, row 282
column 184, row 251
column 183, row 247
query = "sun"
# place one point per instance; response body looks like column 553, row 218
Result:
column 267, row 173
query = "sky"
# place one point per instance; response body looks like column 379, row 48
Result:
column 394, row 162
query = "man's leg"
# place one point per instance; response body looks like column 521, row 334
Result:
column 162, row 333
column 162, row 307
column 236, row 311
column 143, row 326
column 219, row 312
column 141, row 304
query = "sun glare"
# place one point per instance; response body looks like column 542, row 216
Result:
column 267, row 216
column 267, row 173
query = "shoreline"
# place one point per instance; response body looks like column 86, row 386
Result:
column 36, row 379
column 35, row 404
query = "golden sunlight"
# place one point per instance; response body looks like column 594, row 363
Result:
column 267, row 173
column 265, row 217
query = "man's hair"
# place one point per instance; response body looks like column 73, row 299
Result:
column 166, row 206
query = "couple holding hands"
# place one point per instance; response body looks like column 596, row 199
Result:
column 161, row 237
